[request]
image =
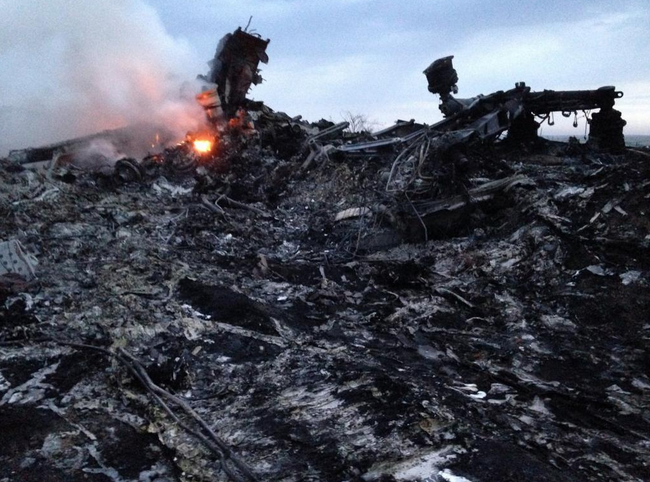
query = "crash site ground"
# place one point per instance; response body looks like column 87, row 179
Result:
column 513, row 349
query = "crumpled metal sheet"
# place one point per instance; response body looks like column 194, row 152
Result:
column 15, row 259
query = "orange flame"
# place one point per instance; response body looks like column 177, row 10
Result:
column 202, row 146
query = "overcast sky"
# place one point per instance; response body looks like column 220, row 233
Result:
column 72, row 67
column 367, row 56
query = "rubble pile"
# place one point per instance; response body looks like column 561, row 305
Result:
column 304, row 303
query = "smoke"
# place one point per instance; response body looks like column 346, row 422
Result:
column 98, row 153
column 75, row 67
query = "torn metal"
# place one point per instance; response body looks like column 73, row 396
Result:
column 233, row 70
column 15, row 260
column 425, row 158
column 515, row 110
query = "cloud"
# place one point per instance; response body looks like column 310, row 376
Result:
column 317, row 89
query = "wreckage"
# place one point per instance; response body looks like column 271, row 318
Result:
column 232, row 71
column 430, row 155
column 485, row 117
column 251, row 303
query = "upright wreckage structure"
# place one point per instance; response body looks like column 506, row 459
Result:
column 428, row 157
column 485, row 117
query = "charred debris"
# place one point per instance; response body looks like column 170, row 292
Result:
column 273, row 299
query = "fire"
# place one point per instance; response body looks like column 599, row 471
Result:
column 240, row 121
column 202, row 146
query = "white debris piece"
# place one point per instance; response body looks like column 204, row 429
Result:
column 15, row 259
column 620, row 210
column 630, row 277
column 568, row 192
column 558, row 323
column 449, row 477
column 351, row 213
column 164, row 185
column 597, row 270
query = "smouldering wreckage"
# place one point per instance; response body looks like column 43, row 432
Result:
column 229, row 309
column 424, row 157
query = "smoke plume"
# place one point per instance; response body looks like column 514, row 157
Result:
column 75, row 67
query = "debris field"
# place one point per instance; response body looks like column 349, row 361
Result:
column 296, row 301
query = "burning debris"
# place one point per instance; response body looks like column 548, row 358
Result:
column 272, row 299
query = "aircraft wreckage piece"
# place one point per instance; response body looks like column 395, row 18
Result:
column 317, row 150
column 371, row 147
column 424, row 158
column 436, row 218
column 129, row 140
column 485, row 117
column 15, row 259
column 515, row 110
column 232, row 70
column 49, row 152
column 335, row 129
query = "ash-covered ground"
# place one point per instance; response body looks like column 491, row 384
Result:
column 510, row 346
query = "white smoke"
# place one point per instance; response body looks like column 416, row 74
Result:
column 75, row 67
column 98, row 153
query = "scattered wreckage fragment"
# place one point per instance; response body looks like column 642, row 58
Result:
column 15, row 260
column 96, row 150
column 316, row 148
column 17, row 270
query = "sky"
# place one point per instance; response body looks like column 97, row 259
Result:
column 327, row 57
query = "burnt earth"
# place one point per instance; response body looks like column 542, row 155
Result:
column 513, row 347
